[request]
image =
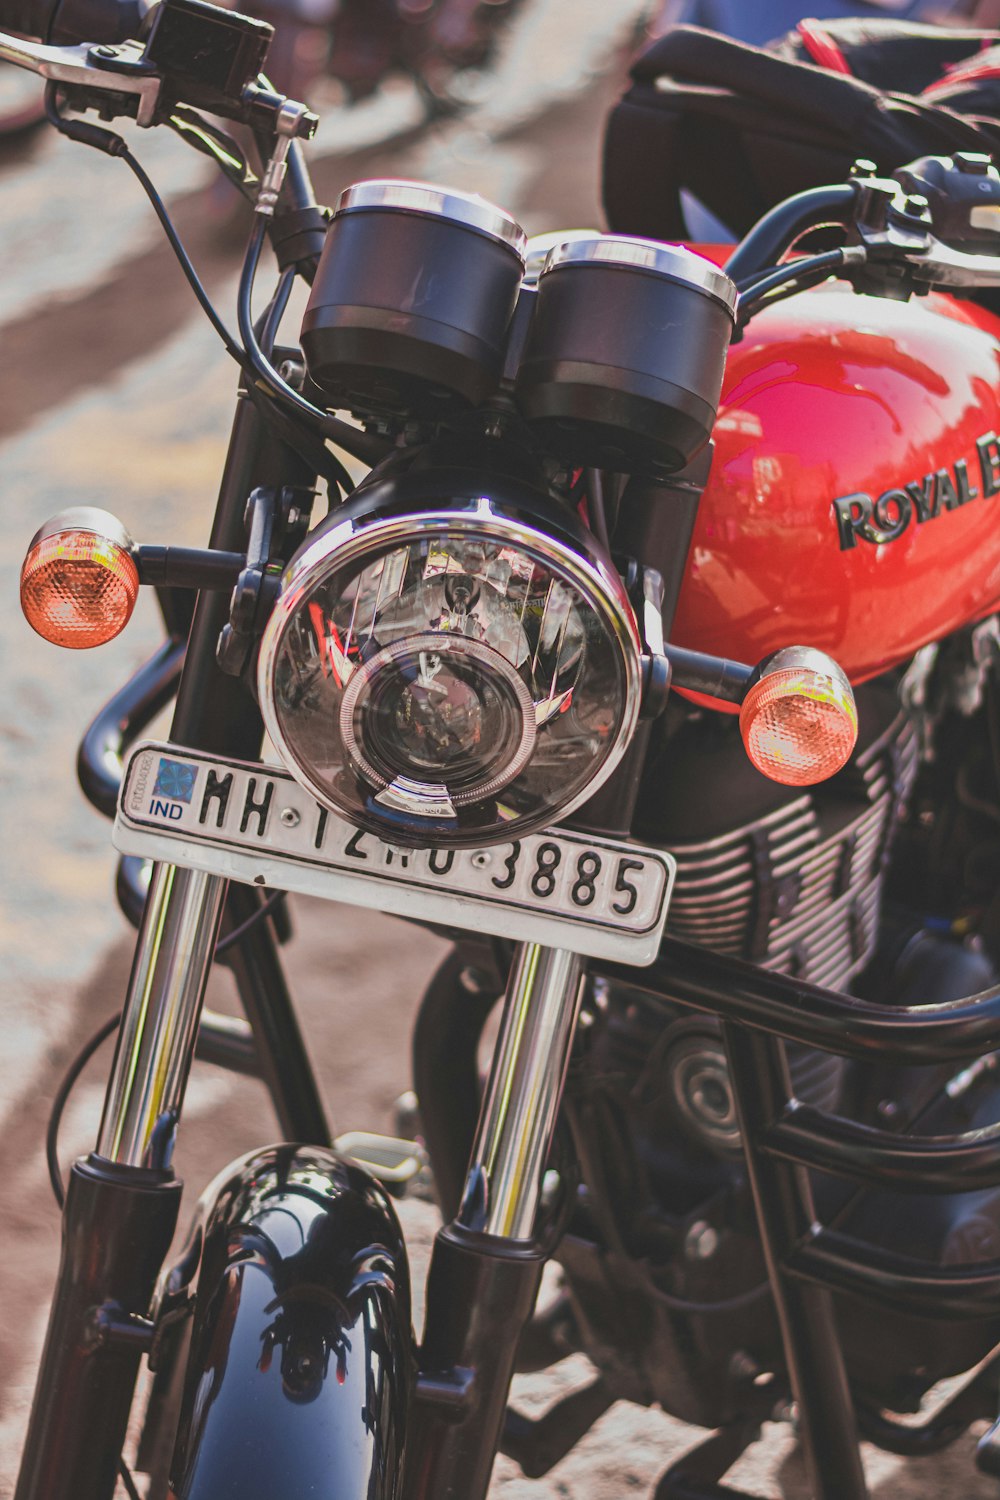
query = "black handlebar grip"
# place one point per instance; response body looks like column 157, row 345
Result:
column 66, row 22
column 28, row 17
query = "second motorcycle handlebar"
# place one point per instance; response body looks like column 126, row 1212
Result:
column 65, row 22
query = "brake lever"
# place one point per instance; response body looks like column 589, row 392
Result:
column 940, row 265
column 80, row 67
column 191, row 53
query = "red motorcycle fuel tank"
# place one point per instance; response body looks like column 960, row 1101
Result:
column 854, row 498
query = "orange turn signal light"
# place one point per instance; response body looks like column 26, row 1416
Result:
column 79, row 581
column 798, row 720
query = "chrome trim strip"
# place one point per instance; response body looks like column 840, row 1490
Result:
column 90, row 518
column 626, row 252
column 398, row 195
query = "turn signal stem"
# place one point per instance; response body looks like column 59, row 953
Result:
column 188, row 567
column 713, row 676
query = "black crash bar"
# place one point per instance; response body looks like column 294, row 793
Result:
column 791, row 1134
column 122, row 720
column 816, row 1017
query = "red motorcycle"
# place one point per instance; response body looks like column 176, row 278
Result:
column 661, row 677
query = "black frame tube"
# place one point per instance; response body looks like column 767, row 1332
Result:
column 282, row 1060
column 758, row 1071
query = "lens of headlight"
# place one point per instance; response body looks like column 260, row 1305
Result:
column 450, row 710
column 456, row 675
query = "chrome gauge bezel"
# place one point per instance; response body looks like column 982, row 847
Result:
column 537, row 527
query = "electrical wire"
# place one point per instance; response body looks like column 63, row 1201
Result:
column 275, row 311
column 125, row 1474
column 795, row 276
column 194, row 281
column 239, row 933
column 764, row 281
column 115, row 145
column 361, row 445
column 597, row 511
column 63, row 1092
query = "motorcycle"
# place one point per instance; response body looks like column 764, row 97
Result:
column 441, row 45
column 679, row 726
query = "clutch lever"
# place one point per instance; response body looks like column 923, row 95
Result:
column 941, row 265
column 900, row 221
column 82, row 67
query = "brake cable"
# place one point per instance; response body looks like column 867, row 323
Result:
column 782, row 281
column 359, row 444
column 218, row 145
column 113, row 144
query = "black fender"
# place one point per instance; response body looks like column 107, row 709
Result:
column 301, row 1362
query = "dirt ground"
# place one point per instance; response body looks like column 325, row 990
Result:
column 113, row 392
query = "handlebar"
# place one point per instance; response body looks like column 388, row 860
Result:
column 772, row 234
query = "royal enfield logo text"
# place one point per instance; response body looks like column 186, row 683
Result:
column 886, row 518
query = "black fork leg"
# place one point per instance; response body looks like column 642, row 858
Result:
column 785, row 1217
column 122, row 1203
column 487, row 1264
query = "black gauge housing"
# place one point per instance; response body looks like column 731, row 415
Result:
column 412, row 299
column 624, row 362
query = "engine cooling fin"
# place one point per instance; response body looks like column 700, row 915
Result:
column 794, row 882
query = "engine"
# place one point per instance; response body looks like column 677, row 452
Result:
column 819, row 884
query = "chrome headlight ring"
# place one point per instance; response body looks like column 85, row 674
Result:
column 454, row 671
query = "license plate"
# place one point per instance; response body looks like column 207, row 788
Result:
column 600, row 897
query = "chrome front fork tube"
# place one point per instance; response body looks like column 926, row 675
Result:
column 519, row 1111
column 487, row 1265
column 173, row 959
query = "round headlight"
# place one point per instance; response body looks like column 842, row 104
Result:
column 448, row 667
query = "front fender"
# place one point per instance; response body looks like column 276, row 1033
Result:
column 301, row 1358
